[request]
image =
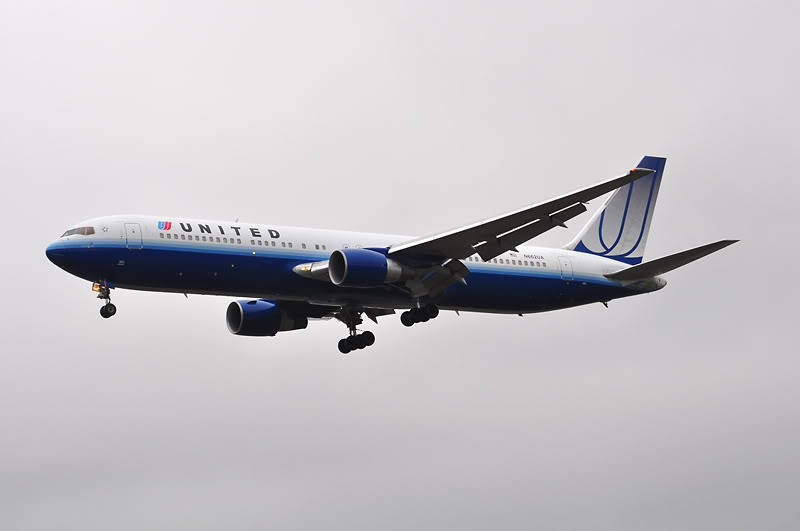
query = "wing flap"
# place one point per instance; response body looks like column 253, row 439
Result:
column 510, row 240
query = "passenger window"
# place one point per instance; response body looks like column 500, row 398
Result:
column 304, row 246
column 259, row 242
column 224, row 240
column 316, row 247
column 252, row 242
column 513, row 262
column 283, row 244
column 543, row 264
column 290, row 245
column 324, row 248
column 273, row 244
column 169, row 236
column 204, row 238
column 238, row 240
column 161, row 234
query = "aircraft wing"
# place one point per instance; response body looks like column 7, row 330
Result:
column 492, row 237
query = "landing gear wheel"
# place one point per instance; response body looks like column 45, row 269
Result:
column 353, row 343
column 111, row 310
column 368, row 338
column 432, row 311
column 407, row 319
column 343, row 347
column 104, row 313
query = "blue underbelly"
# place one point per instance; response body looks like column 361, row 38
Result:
column 268, row 274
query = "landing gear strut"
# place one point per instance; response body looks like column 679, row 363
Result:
column 420, row 314
column 355, row 341
column 108, row 309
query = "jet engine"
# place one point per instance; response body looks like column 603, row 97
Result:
column 362, row 268
column 261, row 318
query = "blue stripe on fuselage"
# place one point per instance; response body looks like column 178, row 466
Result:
column 235, row 270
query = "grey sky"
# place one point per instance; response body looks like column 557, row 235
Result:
column 675, row 410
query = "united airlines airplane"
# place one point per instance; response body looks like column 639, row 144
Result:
column 290, row 275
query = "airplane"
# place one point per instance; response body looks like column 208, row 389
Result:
column 289, row 275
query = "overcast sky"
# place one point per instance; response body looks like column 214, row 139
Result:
column 675, row 410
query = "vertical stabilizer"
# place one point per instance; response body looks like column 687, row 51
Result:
column 619, row 229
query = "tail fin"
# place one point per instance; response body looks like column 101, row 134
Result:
column 619, row 229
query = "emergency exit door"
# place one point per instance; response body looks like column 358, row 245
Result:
column 133, row 235
column 566, row 267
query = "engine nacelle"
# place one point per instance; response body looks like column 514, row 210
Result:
column 261, row 318
column 362, row 268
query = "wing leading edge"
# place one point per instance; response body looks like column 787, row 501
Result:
column 493, row 237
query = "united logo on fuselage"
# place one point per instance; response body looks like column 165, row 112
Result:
column 204, row 228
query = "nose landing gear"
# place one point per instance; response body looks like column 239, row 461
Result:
column 104, row 293
column 108, row 310
column 421, row 314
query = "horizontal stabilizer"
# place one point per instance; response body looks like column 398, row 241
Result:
column 668, row 263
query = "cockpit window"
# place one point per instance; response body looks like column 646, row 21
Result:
column 84, row 231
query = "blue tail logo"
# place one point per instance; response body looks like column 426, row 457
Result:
column 619, row 229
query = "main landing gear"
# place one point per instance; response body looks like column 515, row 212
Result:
column 355, row 341
column 420, row 314
column 108, row 309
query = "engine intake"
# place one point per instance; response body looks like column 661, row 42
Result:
column 362, row 268
column 261, row 318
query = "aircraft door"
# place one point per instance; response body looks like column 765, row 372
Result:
column 566, row 268
column 133, row 236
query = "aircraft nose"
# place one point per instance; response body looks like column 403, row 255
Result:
column 54, row 254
